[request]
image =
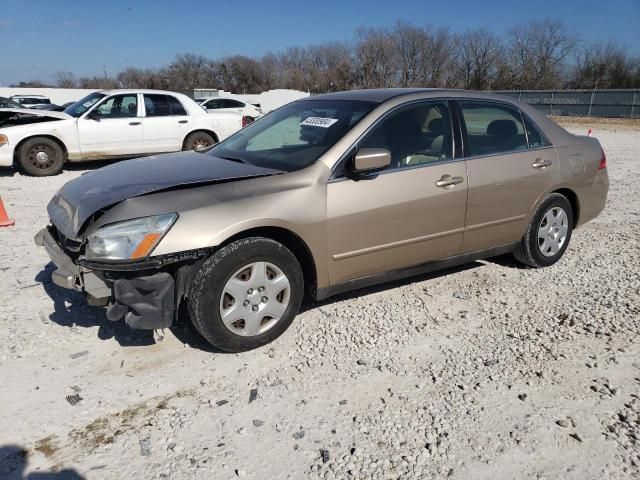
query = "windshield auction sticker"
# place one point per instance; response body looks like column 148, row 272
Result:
column 321, row 122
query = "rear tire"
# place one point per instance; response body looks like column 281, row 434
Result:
column 198, row 141
column 257, row 285
column 41, row 157
column 548, row 234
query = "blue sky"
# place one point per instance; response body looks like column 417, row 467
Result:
column 40, row 37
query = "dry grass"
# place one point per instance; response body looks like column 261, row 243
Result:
column 633, row 123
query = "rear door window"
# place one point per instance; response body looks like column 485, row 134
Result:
column 156, row 105
column 232, row 104
column 162, row 105
column 492, row 128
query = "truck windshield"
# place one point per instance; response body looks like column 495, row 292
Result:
column 81, row 106
column 295, row 135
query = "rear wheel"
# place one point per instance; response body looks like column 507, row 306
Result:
column 246, row 294
column 41, row 156
column 199, row 141
column 548, row 233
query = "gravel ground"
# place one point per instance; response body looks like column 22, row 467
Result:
column 486, row 371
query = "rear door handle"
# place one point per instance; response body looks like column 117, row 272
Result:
column 448, row 181
column 183, row 121
column 135, row 123
column 539, row 163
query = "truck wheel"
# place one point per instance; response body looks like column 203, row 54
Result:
column 41, row 157
column 199, row 141
column 246, row 294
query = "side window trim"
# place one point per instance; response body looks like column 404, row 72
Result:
column 515, row 110
column 338, row 169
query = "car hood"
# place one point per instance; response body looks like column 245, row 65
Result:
column 82, row 197
column 37, row 112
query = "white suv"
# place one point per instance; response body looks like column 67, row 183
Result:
column 109, row 124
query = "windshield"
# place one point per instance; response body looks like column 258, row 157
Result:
column 78, row 108
column 7, row 103
column 295, row 135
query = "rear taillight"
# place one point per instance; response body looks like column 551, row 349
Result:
column 246, row 120
column 603, row 160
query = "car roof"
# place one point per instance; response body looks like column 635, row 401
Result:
column 376, row 95
column 138, row 90
column 381, row 95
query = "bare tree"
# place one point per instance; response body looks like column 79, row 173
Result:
column 538, row 52
column 478, row 56
column 375, row 58
column 411, row 47
column 65, row 80
column 605, row 66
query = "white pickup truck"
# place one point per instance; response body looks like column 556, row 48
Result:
column 109, row 124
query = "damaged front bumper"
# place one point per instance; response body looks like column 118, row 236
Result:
column 145, row 298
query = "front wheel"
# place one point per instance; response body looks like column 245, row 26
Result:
column 41, row 157
column 246, row 294
column 548, row 233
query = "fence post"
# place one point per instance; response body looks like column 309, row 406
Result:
column 633, row 103
column 593, row 92
column 551, row 104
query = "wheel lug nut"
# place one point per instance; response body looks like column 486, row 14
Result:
column 255, row 308
column 250, row 291
column 246, row 303
column 265, row 299
column 261, row 289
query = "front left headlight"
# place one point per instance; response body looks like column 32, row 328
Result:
column 128, row 240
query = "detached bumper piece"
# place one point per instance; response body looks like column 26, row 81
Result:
column 145, row 302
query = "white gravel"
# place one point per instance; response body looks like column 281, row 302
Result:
column 487, row 371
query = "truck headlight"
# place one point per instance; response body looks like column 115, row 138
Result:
column 128, row 240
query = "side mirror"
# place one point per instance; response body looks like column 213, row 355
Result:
column 94, row 114
column 371, row 159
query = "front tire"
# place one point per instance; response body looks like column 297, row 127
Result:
column 246, row 294
column 548, row 233
column 41, row 157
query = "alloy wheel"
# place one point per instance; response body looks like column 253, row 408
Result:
column 552, row 231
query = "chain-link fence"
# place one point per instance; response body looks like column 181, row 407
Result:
column 582, row 103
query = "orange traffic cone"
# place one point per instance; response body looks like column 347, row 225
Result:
column 4, row 218
column 589, row 133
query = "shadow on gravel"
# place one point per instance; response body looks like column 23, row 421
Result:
column 71, row 310
column 506, row 260
column 362, row 292
column 7, row 172
column 13, row 462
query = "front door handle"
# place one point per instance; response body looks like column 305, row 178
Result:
column 448, row 181
column 135, row 123
column 539, row 163
column 183, row 121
